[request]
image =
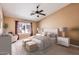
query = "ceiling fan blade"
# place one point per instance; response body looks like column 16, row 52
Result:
column 37, row 15
column 42, row 14
column 32, row 13
column 41, row 11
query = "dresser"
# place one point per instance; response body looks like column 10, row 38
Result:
column 65, row 41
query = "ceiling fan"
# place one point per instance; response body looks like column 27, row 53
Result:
column 38, row 12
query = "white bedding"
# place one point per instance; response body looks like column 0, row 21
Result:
column 42, row 41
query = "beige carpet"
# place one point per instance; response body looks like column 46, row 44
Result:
column 18, row 49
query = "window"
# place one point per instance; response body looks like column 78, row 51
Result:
column 23, row 28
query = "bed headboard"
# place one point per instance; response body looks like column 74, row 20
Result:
column 51, row 30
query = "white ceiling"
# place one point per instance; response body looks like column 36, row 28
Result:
column 23, row 10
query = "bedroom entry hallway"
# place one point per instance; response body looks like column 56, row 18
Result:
column 18, row 49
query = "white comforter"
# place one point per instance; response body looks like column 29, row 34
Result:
column 42, row 41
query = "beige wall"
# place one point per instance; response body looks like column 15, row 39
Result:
column 11, row 26
column 66, row 17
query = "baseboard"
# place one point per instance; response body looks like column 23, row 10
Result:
column 74, row 45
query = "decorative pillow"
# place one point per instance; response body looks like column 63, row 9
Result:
column 38, row 34
column 51, row 35
column 44, row 33
column 48, row 34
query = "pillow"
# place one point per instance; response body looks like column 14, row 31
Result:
column 48, row 34
column 38, row 34
column 51, row 35
column 44, row 33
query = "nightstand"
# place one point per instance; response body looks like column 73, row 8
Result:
column 65, row 41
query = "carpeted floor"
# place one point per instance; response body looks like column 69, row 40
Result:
column 18, row 49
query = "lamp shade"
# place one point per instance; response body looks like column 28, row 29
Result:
column 63, row 29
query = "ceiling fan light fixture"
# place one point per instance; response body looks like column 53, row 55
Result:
column 38, row 12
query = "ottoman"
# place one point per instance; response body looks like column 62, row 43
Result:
column 31, row 46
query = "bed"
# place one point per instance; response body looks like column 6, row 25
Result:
column 44, row 39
